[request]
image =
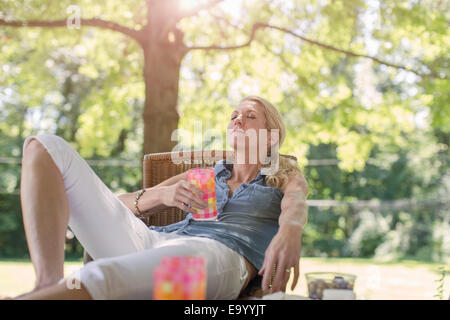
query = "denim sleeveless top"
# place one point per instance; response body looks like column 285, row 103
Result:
column 246, row 222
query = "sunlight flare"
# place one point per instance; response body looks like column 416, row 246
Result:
column 231, row 7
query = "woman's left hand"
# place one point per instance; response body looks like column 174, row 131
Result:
column 284, row 252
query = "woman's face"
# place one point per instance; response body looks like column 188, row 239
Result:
column 246, row 120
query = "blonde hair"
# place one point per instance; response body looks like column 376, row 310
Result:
column 287, row 164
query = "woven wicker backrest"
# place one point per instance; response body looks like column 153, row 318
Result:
column 158, row 167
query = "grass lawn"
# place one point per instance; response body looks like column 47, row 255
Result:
column 400, row 280
column 17, row 276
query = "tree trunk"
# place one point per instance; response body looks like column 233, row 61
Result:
column 161, row 74
column 163, row 52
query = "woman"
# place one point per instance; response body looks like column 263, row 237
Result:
column 259, row 225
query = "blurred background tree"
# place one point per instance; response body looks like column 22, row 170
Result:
column 362, row 85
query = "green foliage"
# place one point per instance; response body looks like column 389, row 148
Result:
column 419, row 229
column 324, row 96
column 12, row 235
column 80, row 77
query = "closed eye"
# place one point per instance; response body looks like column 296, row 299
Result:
column 249, row 116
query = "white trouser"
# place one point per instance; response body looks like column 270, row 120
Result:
column 125, row 250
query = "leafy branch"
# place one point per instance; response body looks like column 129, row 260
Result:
column 93, row 22
column 348, row 53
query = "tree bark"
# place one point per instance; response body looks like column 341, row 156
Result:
column 161, row 75
column 163, row 52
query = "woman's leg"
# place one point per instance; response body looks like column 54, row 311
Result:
column 45, row 213
column 59, row 187
column 131, row 276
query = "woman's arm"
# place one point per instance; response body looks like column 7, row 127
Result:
column 173, row 192
column 284, row 249
column 294, row 210
column 149, row 203
column 152, row 200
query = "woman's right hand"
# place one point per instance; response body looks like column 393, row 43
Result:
column 183, row 195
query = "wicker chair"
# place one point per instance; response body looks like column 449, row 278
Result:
column 158, row 167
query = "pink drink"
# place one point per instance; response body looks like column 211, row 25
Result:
column 180, row 278
column 203, row 179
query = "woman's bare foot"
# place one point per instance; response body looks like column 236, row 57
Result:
column 40, row 287
column 58, row 291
